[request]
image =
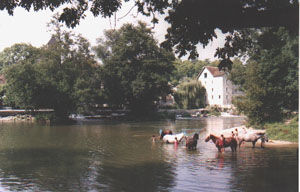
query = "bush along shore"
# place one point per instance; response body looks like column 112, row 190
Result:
column 284, row 131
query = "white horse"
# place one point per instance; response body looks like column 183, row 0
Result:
column 251, row 136
column 171, row 138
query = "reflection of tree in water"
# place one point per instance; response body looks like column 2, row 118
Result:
column 155, row 176
column 47, row 158
column 266, row 170
column 81, row 159
column 50, row 169
column 63, row 170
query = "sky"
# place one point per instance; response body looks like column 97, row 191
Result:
column 31, row 27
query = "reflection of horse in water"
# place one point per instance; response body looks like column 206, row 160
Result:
column 252, row 137
column 220, row 143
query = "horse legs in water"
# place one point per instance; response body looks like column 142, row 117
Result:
column 232, row 148
column 263, row 140
column 240, row 143
column 254, row 142
column 220, row 149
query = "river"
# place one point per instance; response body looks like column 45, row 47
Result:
column 120, row 156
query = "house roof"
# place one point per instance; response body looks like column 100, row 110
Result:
column 52, row 41
column 213, row 70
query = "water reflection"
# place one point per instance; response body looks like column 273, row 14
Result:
column 118, row 156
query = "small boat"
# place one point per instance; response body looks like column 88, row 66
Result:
column 171, row 138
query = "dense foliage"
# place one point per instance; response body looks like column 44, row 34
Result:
column 136, row 70
column 188, row 69
column 61, row 76
column 271, row 76
column 191, row 21
column 238, row 73
column 17, row 53
column 190, row 95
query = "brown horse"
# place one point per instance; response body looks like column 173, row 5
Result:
column 220, row 143
column 191, row 142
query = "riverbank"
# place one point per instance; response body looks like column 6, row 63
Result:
column 272, row 144
column 17, row 118
column 286, row 130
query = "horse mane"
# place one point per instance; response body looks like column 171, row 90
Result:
column 212, row 135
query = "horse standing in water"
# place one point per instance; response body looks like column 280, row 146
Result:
column 252, row 137
column 191, row 142
column 222, row 143
column 165, row 132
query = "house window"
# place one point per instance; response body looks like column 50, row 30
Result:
column 226, row 89
column 212, row 97
column 212, row 89
column 219, row 96
column 226, row 96
column 205, row 75
column 212, row 82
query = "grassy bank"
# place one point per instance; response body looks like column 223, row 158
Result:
column 285, row 131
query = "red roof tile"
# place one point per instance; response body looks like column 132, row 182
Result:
column 215, row 71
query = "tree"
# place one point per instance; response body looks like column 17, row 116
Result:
column 136, row 70
column 271, row 76
column 17, row 53
column 190, row 95
column 188, row 69
column 63, row 76
column 194, row 22
column 238, row 73
column 191, row 21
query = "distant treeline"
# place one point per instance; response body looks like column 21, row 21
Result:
column 128, row 70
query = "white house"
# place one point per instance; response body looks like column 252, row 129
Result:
column 219, row 89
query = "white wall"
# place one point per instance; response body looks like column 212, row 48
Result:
column 220, row 90
column 214, row 88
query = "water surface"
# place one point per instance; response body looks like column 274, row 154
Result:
column 119, row 156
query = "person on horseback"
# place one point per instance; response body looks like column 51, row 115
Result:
column 232, row 134
column 222, row 140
